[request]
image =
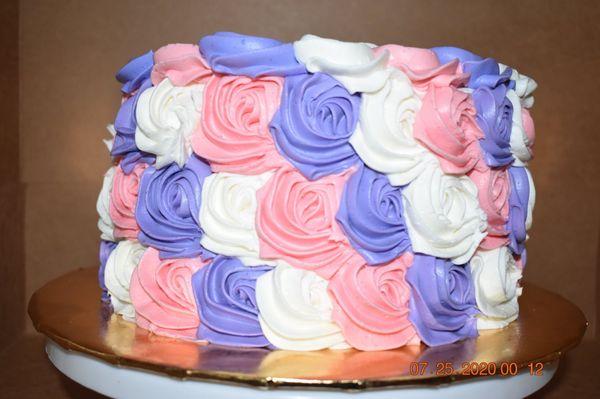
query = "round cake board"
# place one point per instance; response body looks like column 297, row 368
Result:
column 114, row 357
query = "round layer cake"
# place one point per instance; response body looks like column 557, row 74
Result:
column 317, row 194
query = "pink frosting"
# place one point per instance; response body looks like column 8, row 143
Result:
column 181, row 63
column 234, row 133
column 493, row 190
column 446, row 125
column 123, row 199
column 295, row 221
column 370, row 304
column 529, row 128
column 162, row 295
column 423, row 67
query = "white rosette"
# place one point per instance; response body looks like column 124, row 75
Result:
column 519, row 142
column 295, row 310
column 166, row 117
column 443, row 216
column 524, row 86
column 117, row 276
column 105, row 223
column 109, row 142
column 384, row 135
column 228, row 213
column 495, row 277
column 353, row 64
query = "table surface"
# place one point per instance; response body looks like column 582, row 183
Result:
column 68, row 311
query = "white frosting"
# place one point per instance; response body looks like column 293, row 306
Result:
column 295, row 310
column 166, row 117
column 109, row 142
column 117, row 275
column 524, row 86
column 495, row 276
column 531, row 203
column 443, row 216
column 353, row 64
column 384, row 136
column 519, row 142
column 105, row 223
column 228, row 213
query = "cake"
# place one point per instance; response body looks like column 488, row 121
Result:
column 318, row 194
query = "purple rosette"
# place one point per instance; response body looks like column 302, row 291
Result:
column 494, row 117
column 442, row 302
column 168, row 209
column 133, row 74
column 371, row 215
column 226, row 300
column 235, row 54
column 125, row 124
column 485, row 72
column 313, row 124
column 517, row 214
column 106, row 248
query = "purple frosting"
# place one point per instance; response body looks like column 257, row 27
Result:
column 370, row 214
column 494, row 117
column 485, row 72
column 442, row 302
column 106, row 248
column 517, row 215
column 226, row 300
column 168, row 209
column 125, row 124
column 133, row 74
column 314, row 122
column 235, row 54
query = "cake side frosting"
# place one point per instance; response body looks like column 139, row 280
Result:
column 317, row 194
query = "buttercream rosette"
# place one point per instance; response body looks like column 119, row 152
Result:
column 443, row 215
column 371, row 305
column 168, row 209
column 225, row 292
column 316, row 194
column 119, row 268
column 233, row 134
column 162, row 296
column 442, row 301
column 496, row 280
column 228, row 215
column 296, row 310
column 296, row 223
column 314, row 122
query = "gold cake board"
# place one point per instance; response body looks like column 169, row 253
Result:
column 69, row 312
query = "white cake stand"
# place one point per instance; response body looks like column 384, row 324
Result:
column 129, row 383
column 114, row 357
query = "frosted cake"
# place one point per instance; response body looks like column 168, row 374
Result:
column 317, row 194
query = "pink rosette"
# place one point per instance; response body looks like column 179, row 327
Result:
column 181, row 63
column 295, row 222
column 162, row 295
column 234, row 133
column 123, row 200
column 423, row 67
column 493, row 191
column 529, row 128
column 446, row 125
column 370, row 304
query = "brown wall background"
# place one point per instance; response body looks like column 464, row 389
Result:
column 12, row 271
column 70, row 51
